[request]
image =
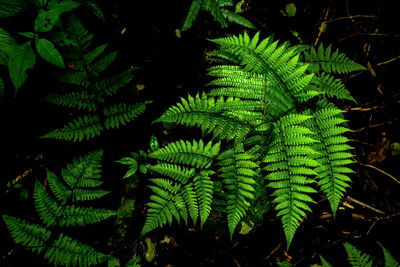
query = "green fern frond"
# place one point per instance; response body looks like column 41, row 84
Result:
column 122, row 114
column 283, row 71
column 390, row 261
column 333, row 156
column 95, row 53
column 205, row 112
column 290, row 168
column 74, row 77
column 96, row 68
column 48, row 209
column 79, row 216
column 356, row 257
column 111, row 85
column 324, row 59
column 32, row 236
column 86, row 127
column 237, row 170
column 70, row 252
column 324, row 262
column 236, row 18
column 215, row 10
column 78, row 100
column 61, row 192
column 192, row 14
column 195, row 154
column 79, row 34
column 204, row 188
column 330, row 86
column 176, row 172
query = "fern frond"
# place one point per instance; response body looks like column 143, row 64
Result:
column 205, row 112
column 122, row 114
column 356, row 257
column 111, row 85
column 192, row 14
column 74, row 77
column 80, row 216
column 290, row 168
column 86, row 127
column 204, row 188
column 70, row 252
column 176, row 172
column 330, row 86
column 32, row 236
column 330, row 62
column 78, row 100
column 236, row 18
column 95, row 53
column 79, row 34
column 390, row 261
column 238, row 172
column 281, row 66
column 96, row 68
column 324, row 262
column 48, row 209
column 195, row 154
column 213, row 7
column 57, row 187
column 333, row 156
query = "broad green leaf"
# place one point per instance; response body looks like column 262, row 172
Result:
column 10, row 8
column 291, row 10
column 21, row 59
column 46, row 20
column 49, row 53
column 8, row 44
column 151, row 249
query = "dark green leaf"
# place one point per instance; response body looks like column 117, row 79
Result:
column 49, row 53
column 46, row 20
column 10, row 8
column 154, row 143
column 8, row 44
column 96, row 10
column 21, row 59
column 29, row 35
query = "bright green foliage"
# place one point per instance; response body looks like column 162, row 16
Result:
column 237, row 171
column 390, row 261
column 217, row 10
column 277, row 134
column 289, row 164
column 79, row 182
column 325, row 60
column 324, row 262
column 356, row 257
column 333, row 158
column 188, row 189
column 86, row 72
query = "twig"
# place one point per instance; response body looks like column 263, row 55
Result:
column 382, row 218
column 362, row 204
column 362, row 34
column 373, row 126
column 273, row 251
column 379, row 170
column 388, row 61
column 352, row 17
column 321, row 29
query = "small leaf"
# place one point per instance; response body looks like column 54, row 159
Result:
column 127, row 161
column 96, row 10
column 291, row 10
column 143, row 168
column 29, row 35
column 246, row 227
column 151, row 249
column 21, row 59
column 154, row 143
column 49, row 53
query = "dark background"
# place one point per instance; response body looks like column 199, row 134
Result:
column 173, row 67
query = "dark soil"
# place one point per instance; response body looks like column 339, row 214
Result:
column 367, row 31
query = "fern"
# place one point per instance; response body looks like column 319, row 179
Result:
column 356, row 257
column 390, row 261
column 95, row 91
column 332, row 153
column 79, row 183
column 277, row 132
column 217, row 10
column 325, row 60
